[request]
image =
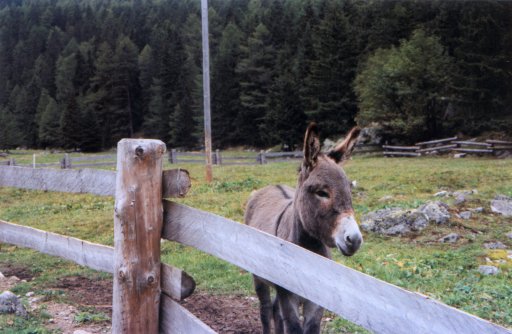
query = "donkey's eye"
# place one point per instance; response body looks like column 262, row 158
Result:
column 323, row 194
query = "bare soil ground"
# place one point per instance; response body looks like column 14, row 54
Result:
column 233, row 314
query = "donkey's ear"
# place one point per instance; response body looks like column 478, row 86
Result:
column 311, row 146
column 343, row 151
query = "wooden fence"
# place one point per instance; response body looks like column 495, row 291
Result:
column 362, row 299
column 452, row 144
column 252, row 158
column 68, row 162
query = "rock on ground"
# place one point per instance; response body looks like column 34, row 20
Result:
column 503, row 205
column 10, row 303
column 465, row 215
column 495, row 245
column 394, row 221
column 450, row 238
column 488, row 270
column 437, row 212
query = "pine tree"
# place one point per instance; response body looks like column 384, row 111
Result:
column 333, row 71
column 71, row 125
column 49, row 126
column 156, row 120
column 226, row 90
column 256, row 70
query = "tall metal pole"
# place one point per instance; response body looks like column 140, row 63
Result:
column 206, row 91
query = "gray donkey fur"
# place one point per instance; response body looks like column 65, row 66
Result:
column 318, row 215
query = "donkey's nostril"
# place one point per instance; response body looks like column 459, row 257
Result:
column 348, row 240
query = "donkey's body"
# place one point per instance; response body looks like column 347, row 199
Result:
column 317, row 215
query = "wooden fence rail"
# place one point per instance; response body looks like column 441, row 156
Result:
column 252, row 158
column 376, row 305
column 452, row 144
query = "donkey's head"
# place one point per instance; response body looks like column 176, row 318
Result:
column 323, row 197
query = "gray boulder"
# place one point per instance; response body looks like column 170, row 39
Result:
column 495, row 245
column 437, row 212
column 450, row 238
column 371, row 135
column 488, row 270
column 10, row 303
column 503, row 205
column 465, row 215
column 394, row 221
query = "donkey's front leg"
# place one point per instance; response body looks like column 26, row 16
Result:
column 289, row 306
column 263, row 292
column 312, row 317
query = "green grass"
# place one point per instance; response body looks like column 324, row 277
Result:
column 418, row 263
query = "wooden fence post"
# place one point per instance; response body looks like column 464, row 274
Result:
column 218, row 157
column 262, row 159
column 137, row 231
column 65, row 163
column 173, row 158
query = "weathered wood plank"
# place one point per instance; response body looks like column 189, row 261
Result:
column 175, row 319
column 94, row 157
column 176, row 182
column 137, row 230
column 175, row 282
column 437, row 148
column 407, row 154
column 297, row 154
column 471, row 143
column 501, row 142
column 92, row 181
column 438, row 141
column 362, row 299
column 405, row 148
column 95, row 256
column 472, row 150
column 93, row 164
column 191, row 154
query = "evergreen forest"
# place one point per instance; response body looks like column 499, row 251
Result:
column 84, row 74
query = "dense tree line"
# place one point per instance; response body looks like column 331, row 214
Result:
column 83, row 74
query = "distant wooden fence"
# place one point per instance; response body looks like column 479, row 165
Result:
column 452, row 144
column 68, row 162
column 376, row 305
column 252, row 158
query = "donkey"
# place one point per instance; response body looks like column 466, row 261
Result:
column 318, row 215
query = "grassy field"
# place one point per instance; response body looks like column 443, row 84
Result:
column 447, row 272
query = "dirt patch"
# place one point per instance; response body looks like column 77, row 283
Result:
column 63, row 319
column 22, row 273
column 86, row 292
column 225, row 314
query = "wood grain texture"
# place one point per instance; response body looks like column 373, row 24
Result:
column 85, row 253
column 176, row 182
column 137, row 230
column 174, row 282
column 92, row 181
column 175, row 319
column 374, row 304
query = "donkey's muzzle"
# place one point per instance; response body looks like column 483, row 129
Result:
column 348, row 237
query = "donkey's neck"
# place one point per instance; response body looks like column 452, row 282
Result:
column 302, row 238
